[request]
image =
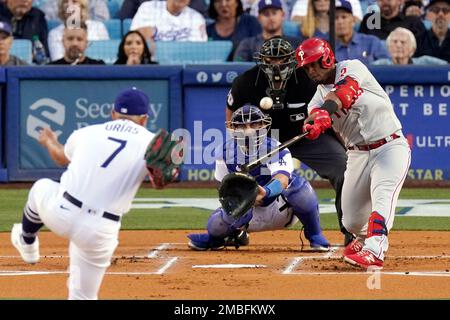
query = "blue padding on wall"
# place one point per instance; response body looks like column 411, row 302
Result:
column 198, row 93
column 3, row 170
column 171, row 76
column 222, row 74
column 411, row 74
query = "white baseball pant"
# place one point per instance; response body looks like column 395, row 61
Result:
column 93, row 238
column 372, row 182
column 276, row 216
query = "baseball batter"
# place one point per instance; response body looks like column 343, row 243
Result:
column 351, row 101
column 106, row 166
column 276, row 79
column 284, row 197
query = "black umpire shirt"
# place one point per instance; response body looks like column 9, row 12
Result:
column 299, row 91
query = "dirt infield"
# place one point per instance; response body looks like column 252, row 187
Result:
column 159, row 265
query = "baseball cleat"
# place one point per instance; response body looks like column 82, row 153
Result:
column 240, row 238
column 364, row 259
column 28, row 252
column 348, row 237
column 354, row 247
column 203, row 242
column 319, row 243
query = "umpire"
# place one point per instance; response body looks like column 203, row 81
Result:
column 276, row 76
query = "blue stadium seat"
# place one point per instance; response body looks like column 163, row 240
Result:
column 39, row 3
column 291, row 28
column 180, row 52
column 364, row 5
column 114, row 7
column 52, row 24
column 103, row 49
column 22, row 48
column 114, row 27
column 126, row 24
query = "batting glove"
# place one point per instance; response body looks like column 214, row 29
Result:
column 318, row 121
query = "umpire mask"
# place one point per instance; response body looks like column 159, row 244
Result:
column 276, row 59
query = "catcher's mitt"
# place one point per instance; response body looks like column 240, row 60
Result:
column 163, row 158
column 237, row 193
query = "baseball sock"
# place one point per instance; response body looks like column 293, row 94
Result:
column 31, row 223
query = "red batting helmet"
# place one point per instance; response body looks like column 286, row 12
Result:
column 314, row 49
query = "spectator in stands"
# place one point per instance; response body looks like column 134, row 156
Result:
column 130, row 7
column 170, row 20
column 6, row 40
column 436, row 41
column 252, row 7
column 413, row 8
column 231, row 23
column 316, row 23
column 133, row 50
column 25, row 20
column 351, row 44
column 401, row 44
column 270, row 17
column 300, row 9
column 75, row 44
column 68, row 13
column 98, row 9
column 391, row 18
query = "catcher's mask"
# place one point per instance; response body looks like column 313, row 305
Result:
column 249, row 127
column 276, row 59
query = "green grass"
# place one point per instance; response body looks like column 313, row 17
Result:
column 12, row 201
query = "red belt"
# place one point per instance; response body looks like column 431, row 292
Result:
column 377, row 144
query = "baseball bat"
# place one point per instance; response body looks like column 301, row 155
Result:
column 256, row 163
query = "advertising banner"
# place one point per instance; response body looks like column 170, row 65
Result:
column 420, row 98
column 3, row 170
column 66, row 105
column 424, row 111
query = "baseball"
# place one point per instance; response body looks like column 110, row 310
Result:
column 266, row 103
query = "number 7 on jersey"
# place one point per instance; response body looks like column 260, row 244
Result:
column 122, row 144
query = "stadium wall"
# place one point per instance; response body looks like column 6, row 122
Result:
column 192, row 97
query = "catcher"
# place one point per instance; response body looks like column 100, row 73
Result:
column 106, row 165
column 269, row 197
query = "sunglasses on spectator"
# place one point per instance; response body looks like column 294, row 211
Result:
column 436, row 10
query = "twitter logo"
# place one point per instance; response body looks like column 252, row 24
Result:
column 216, row 77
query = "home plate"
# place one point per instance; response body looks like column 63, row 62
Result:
column 228, row 266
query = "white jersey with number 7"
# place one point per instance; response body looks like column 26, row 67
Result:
column 97, row 163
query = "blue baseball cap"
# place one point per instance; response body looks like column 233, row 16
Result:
column 5, row 27
column 132, row 102
column 264, row 4
column 344, row 5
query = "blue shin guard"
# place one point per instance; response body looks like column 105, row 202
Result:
column 303, row 200
column 219, row 227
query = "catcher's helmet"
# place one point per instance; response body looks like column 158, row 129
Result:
column 280, row 71
column 249, row 127
column 314, row 49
